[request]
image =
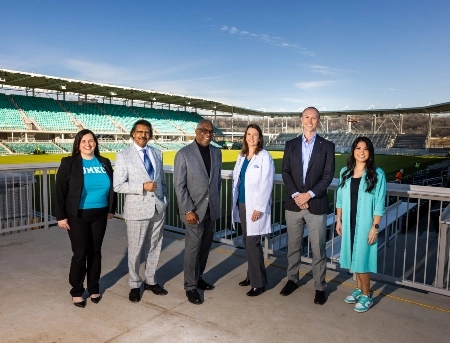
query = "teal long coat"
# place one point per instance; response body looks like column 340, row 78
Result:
column 363, row 258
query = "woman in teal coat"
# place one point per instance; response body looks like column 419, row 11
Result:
column 360, row 205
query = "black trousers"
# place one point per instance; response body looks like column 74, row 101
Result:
column 256, row 271
column 198, row 241
column 86, row 233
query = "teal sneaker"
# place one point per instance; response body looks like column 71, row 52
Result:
column 363, row 304
column 354, row 297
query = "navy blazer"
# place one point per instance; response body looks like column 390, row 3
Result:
column 319, row 174
column 69, row 184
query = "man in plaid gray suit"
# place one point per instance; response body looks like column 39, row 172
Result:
column 139, row 174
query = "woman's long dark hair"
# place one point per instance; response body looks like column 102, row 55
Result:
column 371, row 175
column 77, row 141
column 244, row 151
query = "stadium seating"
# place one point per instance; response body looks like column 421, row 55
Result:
column 158, row 121
column 10, row 117
column 282, row 138
column 30, row 147
column 46, row 112
column 3, row 150
column 113, row 146
column 65, row 146
column 90, row 115
column 123, row 115
column 411, row 141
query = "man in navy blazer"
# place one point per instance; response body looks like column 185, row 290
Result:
column 307, row 170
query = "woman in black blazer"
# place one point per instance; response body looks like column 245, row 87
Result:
column 85, row 200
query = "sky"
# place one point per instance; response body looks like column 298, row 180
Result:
column 264, row 55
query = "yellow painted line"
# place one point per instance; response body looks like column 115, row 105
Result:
column 347, row 284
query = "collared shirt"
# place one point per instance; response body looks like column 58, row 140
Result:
column 149, row 153
column 307, row 148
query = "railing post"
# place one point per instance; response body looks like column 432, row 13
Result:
column 45, row 197
column 444, row 246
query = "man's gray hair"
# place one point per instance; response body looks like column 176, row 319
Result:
column 203, row 121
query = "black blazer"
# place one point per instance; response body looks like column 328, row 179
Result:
column 69, row 184
column 318, row 176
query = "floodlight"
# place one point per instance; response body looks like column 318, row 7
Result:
column 2, row 80
column 63, row 87
column 113, row 93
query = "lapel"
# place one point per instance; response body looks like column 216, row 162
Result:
column 317, row 147
column 137, row 159
column 156, row 167
column 77, row 170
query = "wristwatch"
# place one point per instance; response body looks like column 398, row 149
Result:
column 376, row 226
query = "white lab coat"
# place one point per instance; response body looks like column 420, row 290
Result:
column 258, row 191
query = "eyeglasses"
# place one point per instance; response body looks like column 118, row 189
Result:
column 143, row 133
column 205, row 131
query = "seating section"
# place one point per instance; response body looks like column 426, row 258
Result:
column 282, row 138
column 171, row 145
column 410, row 141
column 47, row 113
column 91, row 117
column 345, row 140
column 10, row 117
column 3, row 150
column 30, row 147
column 158, row 121
column 113, row 146
column 65, row 146
column 123, row 115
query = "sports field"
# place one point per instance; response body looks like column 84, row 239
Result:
column 389, row 163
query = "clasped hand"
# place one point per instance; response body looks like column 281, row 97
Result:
column 150, row 186
column 302, row 199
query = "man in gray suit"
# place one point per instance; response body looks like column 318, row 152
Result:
column 197, row 182
column 139, row 174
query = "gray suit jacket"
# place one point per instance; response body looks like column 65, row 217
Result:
column 193, row 188
column 129, row 177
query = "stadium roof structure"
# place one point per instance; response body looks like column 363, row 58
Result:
column 39, row 81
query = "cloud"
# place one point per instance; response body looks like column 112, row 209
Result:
column 322, row 69
column 275, row 40
column 314, row 84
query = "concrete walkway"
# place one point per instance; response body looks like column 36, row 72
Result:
column 35, row 304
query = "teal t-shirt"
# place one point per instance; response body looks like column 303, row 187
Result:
column 241, row 197
column 96, row 185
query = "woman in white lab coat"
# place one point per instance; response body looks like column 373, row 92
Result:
column 252, row 190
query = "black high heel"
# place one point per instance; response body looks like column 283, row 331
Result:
column 96, row 300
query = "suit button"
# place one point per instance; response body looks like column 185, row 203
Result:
column 152, row 195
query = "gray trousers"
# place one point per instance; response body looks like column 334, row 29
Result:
column 198, row 241
column 316, row 224
column 256, row 271
column 145, row 234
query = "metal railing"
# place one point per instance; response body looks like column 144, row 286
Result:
column 413, row 250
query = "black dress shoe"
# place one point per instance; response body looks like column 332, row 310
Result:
column 81, row 304
column 135, row 295
column 204, row 286
column 156, row 289
column 290, row 287
column 194, row 297
column 254, row 292
column 320, row 298
column 246, row 282
column 96, row 300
